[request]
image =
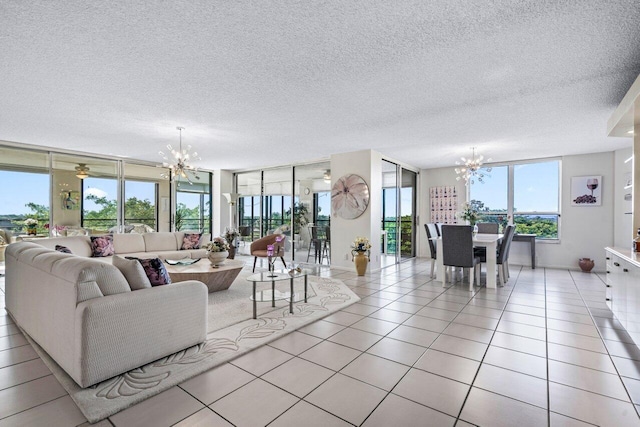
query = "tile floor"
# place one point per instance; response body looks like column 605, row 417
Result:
column 544, row 350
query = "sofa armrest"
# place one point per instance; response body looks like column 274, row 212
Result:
column 120, row 332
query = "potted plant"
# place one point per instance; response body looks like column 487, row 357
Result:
column 300, row 217
column 31, row 224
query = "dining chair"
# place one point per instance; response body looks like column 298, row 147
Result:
column 503, row 254
column 439, row 228
column 432, row 233
column 487, row 227
column 457, row 251
column 317, row 245
column 326, row 246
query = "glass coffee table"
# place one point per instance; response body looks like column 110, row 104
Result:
column 273, row 294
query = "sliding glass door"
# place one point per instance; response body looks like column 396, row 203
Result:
column 398, row 213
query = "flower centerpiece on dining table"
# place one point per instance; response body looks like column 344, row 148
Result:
column 217, row 251
column 31, row 224
column 360, row 254
column 469, row 213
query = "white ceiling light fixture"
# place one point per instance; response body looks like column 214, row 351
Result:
column 178, row 164
column 82, row 171
column 471, row 169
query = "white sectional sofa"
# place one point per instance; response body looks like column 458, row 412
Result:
column 83, row 313
column 164, row 245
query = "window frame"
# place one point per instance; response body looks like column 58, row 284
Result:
column 511, row 196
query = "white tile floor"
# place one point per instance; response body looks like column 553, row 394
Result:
column 542, row 351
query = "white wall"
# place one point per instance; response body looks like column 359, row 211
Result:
column 222, row 183
column 585, row 231
column 367, row 164
column 434, row 178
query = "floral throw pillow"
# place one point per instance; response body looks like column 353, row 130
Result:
column 155, row 271
column 63, row 249
column 102, row 246
column 191, row 241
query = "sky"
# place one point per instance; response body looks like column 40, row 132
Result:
column 535, row 188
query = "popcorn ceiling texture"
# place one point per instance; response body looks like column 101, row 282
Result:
column 272, row 82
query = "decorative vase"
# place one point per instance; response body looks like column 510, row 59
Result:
column 31, row 231
column 586, row 264
column 217, row 258
column 232, row 252
column 361, row 261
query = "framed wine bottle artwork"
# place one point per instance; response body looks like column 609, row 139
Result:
column 586, row 190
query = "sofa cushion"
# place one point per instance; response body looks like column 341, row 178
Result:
column 163, row 241
column 191, row 241
column 155, row 271
column 128, row 243
column 102, row 245
column 63, row 249
column 133, row 272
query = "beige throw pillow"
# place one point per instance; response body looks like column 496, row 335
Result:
column 133, row 272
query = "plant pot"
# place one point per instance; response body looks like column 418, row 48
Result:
column 586, row 264
column 361, row 261
column 232, row 252
column 217, row 258
column 32, row 231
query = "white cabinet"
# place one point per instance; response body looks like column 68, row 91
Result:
column 623, row 289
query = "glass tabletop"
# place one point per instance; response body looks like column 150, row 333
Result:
column 274, row 276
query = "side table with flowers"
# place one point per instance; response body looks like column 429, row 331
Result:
column 360, row 254
column 31, row 225
column 217, row 251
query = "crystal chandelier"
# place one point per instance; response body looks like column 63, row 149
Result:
column 471, row 169
column 178, row 165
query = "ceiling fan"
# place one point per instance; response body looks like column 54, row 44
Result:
column 82, row 171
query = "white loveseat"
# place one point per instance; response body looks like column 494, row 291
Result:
column 82, row 311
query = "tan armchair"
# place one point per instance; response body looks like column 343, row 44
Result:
column 259, row 248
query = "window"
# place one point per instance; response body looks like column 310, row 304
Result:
column 24, row 195
column 526, row 192
column 99, row 203
column 140, row 203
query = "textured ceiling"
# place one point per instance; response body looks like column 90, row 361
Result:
column 259, row 83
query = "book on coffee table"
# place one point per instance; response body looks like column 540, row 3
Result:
column 183, row 261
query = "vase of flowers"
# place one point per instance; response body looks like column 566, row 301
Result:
column 469, row 214
column 360, row 254
column 217, row 251
column 31, row 225
column 231, row 234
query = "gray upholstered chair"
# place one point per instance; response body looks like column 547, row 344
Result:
column 457, row 251
column 503, row 254
column 487, row 227
column 432, row 233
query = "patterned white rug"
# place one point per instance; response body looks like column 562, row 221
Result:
column 118, row 393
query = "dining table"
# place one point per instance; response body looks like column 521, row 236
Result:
column 489, row 241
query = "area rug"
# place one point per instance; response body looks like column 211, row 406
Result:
column 118, row 393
